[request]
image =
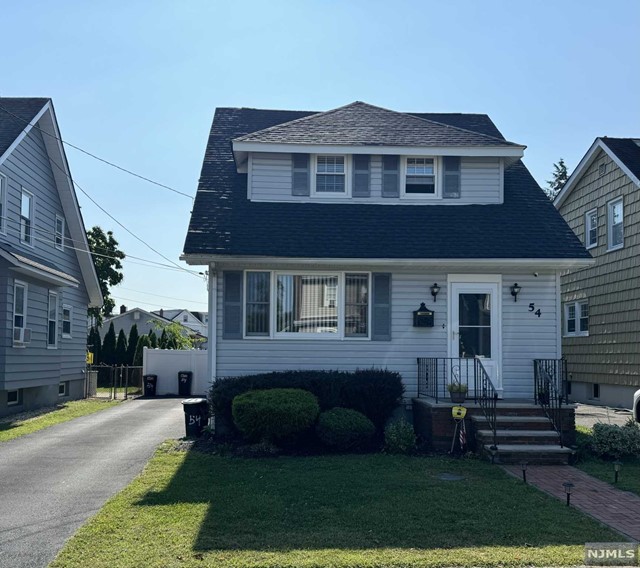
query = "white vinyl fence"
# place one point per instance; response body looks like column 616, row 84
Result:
column 167, row 363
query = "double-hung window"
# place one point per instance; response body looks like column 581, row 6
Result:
column 67, row 317
column 26, row 217
column 420, row 177
column 59, row 233
column 305, row 305
column 615, row 224
column 591, row 228
column 19, row 313
column 3, row 203
column 52, row 321
column 576, row 318
column 331, row 175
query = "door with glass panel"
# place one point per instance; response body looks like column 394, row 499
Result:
column 475, row 324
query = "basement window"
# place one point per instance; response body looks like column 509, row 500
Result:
column 14, row 397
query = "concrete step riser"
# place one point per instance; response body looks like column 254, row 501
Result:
column 506, row 425
column 532, row 460
column 519, row 440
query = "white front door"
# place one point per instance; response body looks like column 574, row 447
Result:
column 475, row 310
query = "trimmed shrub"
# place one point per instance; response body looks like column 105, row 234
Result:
column 615, row 442
column 399, row 437
column 374, row 392
column 274, row 415
column 344, row 429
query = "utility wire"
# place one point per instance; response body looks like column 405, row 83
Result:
column 121, row 298
column 94, row 156
column 158, row 295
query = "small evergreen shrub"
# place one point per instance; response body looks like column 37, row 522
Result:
column 344, row 429
column 399, row 437
column 616, row 442
column 374, row 392
column 277, row 416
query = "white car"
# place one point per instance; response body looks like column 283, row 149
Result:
column 636, row 406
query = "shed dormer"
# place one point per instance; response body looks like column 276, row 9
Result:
column 361, row 153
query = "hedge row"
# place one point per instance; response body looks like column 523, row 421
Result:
column 373, row 392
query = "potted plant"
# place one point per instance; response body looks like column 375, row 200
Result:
column 543, row 395
column 458, row 391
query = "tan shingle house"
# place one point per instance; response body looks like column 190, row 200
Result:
column 601, row 303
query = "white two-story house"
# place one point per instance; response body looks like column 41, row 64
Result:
column 364, row 237
column 47, row 277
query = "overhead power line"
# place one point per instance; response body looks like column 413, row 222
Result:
column 104, row 161
column 157, row 295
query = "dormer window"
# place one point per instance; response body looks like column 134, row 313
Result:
column 420, row 177
column 330, row 175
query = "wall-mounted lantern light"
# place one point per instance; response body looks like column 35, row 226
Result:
column 434, row 291
column 515, row 290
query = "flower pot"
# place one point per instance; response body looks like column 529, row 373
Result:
column 458, row 397
column 543, row 398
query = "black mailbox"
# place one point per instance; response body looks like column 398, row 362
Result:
column 423, row 317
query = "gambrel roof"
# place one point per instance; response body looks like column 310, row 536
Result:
column 224, row 222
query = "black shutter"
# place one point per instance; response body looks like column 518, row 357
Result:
column 451, row 189
column 300, row 181
column 390, row 176
column 381, row 312
column 232, row 305
column 361, row 175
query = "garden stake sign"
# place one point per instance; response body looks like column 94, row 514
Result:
column 460, row 431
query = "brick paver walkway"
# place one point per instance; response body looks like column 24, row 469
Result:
column 618, row 509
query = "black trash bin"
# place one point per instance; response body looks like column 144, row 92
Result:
column 196, row 416
column 184, row 383
column 150, row 383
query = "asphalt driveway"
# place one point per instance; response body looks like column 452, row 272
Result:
column 52, row 481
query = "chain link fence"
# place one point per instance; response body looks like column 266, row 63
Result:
column 114, row 381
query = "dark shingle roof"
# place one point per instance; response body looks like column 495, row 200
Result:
column 627, row 150
column 10, row 126
column 361, row 124
column 225, row 222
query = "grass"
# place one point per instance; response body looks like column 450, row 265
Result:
column 629, row 477
column 192, row 509
column 19, row 425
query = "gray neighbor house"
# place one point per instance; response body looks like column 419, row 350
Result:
column 601, row 303
column 47, row 277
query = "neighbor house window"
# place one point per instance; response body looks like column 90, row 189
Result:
column 14, row 397
column 577, row 318
column 19, row 306
column 3, row 203
column 59, row 233
column 420, row 177
column 591, row 228
column 26, row 218
column 330, row 174
column 63, row 388
column 52, row 318
column 185, row 318
column 307, row 305
column 615, row 226
column 67, row 315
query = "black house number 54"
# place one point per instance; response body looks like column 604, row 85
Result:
column 532, row 308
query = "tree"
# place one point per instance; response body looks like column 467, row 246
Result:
column 163, row 340
column 132, row 344
column 175, row 336
column 153, row 339
column 94, row 344
column 560, row 176
column 121, row 349
column 142, row 343
column 109, row 347
column 106, row 259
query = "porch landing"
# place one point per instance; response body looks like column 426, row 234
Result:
column 523, row 431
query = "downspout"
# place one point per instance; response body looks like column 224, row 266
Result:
column 212, row 285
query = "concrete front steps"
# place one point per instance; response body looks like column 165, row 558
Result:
column 523, row 434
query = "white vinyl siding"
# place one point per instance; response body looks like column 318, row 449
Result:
column 615, row 224
column 591, row 228
column 525, row 336
column 269, row 179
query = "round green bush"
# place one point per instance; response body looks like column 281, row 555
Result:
column 399, row 437
column 279, row 416
column 344, row 429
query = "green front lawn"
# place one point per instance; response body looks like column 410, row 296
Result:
column 13, row 427
column 196, row 509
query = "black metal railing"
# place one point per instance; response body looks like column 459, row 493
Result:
column 435, row 374
column 550, row 389
column 487, row 399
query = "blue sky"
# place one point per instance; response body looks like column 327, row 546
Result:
column 137, row 82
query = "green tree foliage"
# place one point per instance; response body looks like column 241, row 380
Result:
column 121, row 349
column 106, row 259
column 94, row 344
column 132, row 344
column 153, row 338
column 560, row 176
column 163, row 340
column 143, row 342
column 109, row 347
column 175, row 336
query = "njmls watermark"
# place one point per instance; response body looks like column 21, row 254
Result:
column 610, row 554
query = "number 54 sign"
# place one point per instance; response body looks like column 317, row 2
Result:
column 532, row 308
